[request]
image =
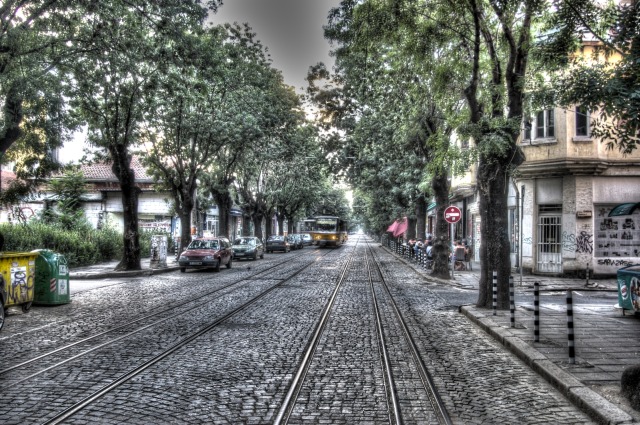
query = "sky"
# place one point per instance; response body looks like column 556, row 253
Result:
column 290, row 29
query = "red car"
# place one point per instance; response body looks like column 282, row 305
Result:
column 206, row 253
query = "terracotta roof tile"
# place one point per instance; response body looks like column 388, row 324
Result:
column 102, row 172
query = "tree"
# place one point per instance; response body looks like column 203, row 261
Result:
column 33, row 118
column 484, row 45
column 407, row 104
column 124, row 45
column 68, row 191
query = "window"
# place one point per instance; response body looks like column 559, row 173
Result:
column 582, row 121
column 542, row 126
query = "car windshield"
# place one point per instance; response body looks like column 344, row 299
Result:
column 244, row 241
column 275, row 238
column 202, row 244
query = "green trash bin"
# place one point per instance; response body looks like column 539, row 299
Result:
column 52, row 279
column 629, row 288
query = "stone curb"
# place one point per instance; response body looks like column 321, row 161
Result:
column 583, row 397
column 116, row 274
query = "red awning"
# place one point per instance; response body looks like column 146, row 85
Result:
column 401, row 227
column 398, row 227
column 393, row 226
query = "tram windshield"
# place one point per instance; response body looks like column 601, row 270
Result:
column 326, row 225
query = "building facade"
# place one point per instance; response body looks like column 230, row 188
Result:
column 571, row 183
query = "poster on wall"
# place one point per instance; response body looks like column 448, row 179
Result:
column 617, row 238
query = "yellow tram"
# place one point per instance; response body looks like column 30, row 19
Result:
column 328, row 230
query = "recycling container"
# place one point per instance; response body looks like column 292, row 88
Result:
column 629, row 288
column 52, row 278
column 18, row 274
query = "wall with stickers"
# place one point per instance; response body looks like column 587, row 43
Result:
column 616, row 239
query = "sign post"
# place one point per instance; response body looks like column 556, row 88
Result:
column 452, row 215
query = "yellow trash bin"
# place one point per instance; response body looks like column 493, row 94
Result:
column 17, row 270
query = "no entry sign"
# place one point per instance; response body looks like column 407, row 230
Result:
column 452, row 214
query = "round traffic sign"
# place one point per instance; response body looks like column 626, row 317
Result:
column 452, row 214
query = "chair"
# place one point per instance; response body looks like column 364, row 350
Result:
column 459, row 256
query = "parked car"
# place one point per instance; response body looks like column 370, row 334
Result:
column 206, row 253
column 297, row 241
column 306, row 239
column 248, row 247
column 292, row 241
column 278, row 243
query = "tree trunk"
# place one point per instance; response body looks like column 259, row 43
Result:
column 246, row 231
column 291, row 226
column 268, row 225
column 421, row 217
column 441, row 241
column 257, row 226
column 280, row 224
column 411, row 228
column 121, row 167
column 494, row 247
column 224, row 207
column 185, row 229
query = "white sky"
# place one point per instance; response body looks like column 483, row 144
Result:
column 290, row 29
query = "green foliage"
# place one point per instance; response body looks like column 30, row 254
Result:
column 68, row 191
column 81, row 248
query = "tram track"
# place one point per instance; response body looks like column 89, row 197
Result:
column 166, row 314
column 390, row 366
column 430, row 389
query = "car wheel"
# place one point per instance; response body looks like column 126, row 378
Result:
column 262, row 255
column 255, row 256
column 183, row 269
column 217, row 267
column 26, row 306
column 230, row 263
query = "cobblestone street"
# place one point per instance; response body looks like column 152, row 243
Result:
column 227, row 347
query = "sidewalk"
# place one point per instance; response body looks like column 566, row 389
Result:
column 107, row 270
column 606, row 341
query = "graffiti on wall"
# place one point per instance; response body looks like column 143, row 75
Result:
column 568, row 241
column 616, row 236
column 612, row 262
column 584, row 243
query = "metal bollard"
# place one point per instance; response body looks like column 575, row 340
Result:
column 495, row 293
column 536, row 312
column 512, row 303
column 570, row 335
column 587, row 275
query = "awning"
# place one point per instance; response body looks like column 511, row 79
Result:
column 624, row 209
column 401, row 228
column 398, row 227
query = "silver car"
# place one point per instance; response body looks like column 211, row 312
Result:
column 248, row 247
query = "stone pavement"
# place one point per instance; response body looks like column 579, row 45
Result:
column 606, row 340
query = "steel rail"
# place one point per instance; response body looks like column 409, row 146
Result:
column 395, row 415
column 427, row 381
column 296, row 384
column 123, row 326
column 77, row 407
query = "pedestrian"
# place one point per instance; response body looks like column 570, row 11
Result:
column 417, row 247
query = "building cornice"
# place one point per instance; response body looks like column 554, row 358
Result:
column 573, row 166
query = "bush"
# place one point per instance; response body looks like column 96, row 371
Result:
column 82, row 246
